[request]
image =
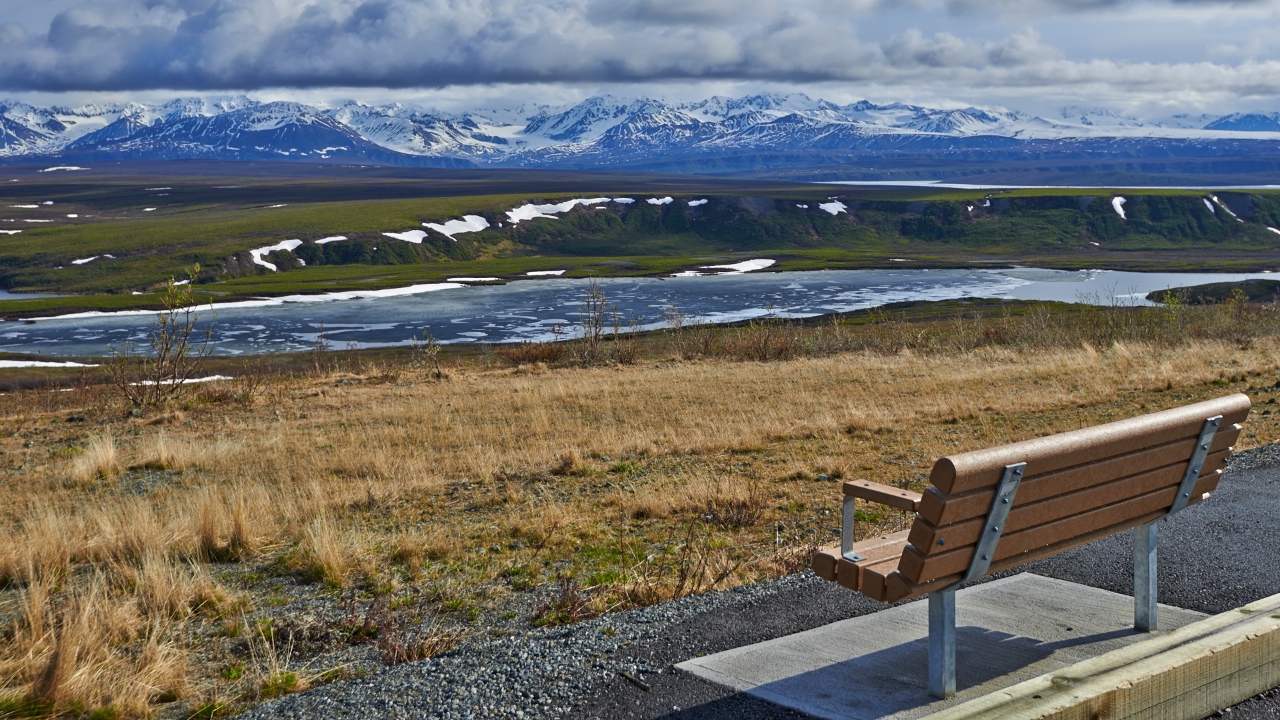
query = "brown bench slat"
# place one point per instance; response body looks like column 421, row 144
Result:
column 899, row 588
column 883, row 494
column 932, row 540
column 874, row 578
column 826, row 560
column 941, row 509
column 917, row 568
column 982, row 468
column 875, row 550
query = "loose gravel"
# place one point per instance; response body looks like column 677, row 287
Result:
column 619, row 666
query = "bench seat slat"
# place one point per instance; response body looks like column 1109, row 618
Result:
column 826, row 560
column 874, row 579
column 933, row 540
column 917, row 568
column 885, row 552
column 899, row 588
column 941, row 509
column 982, row 468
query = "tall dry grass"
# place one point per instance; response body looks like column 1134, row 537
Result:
column 98, row 461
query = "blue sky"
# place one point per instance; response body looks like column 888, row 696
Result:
column 1148, row 57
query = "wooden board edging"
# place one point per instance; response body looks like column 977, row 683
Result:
column 1187, row 674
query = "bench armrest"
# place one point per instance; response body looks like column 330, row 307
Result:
column 883, row 494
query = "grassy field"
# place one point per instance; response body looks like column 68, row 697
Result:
column 325, row 513
column 156, row 226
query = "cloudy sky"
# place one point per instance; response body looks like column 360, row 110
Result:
column 1148, row 57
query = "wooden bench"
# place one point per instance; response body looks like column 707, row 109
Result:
column 999, row 508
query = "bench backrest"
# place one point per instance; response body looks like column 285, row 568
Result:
column 1077, row 487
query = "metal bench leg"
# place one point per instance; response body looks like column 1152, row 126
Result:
column 942, row 644
column 1144, row 577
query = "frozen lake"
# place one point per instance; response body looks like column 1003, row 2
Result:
column 533, row 309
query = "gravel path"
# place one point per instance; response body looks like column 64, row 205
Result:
column 620, row 666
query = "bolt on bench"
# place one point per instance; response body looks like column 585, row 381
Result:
column 994, row 509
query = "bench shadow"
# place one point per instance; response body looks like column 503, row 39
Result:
column 895, row 679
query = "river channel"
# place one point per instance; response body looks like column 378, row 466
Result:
column 546, row 309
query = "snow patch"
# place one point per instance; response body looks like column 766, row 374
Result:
column 534, row 212
column 9, row 232
column 188, row 381
column 744, row 266
column 277, row 206
column 282, row 245
column 83, row 261
column 1224, row 207
column 335, row 238
column 410, row 236
column 544, row 273
column 696, row 203
column 68, row 168
column 269, row 302
column 156, row 189
column 1118, row 204
column 835, row 207
column 72, row 215
column 1274, row 230
column 802, row 207
column 38, row 221
column 40, row 363
column 474, row 279
column 660, row 201
column 624, row 201
column 1209, row 205
column 149, row 209
column 468, row 223
column 47, row 202
column 25, row 207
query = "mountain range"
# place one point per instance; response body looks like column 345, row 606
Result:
column 755, row 133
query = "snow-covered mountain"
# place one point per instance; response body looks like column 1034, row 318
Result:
column 601, row 131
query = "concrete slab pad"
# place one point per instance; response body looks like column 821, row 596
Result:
column 874, row 667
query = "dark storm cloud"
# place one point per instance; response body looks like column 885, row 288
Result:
column 247, row 44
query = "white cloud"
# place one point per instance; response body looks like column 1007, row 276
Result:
column 971, row 51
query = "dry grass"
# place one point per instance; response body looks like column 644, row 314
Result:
column 97, row 462
column 617, row 485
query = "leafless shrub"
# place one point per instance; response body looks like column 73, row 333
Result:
column 397, row 643
column 569, row 606
column 697, row 564
column 162, row 372
column 426, row 356
column 595, row 319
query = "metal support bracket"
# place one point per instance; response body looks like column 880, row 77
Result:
column 1144, row 577
column 994, row 528
column 848, row 523
column 1196, row 465
column 942, row 644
